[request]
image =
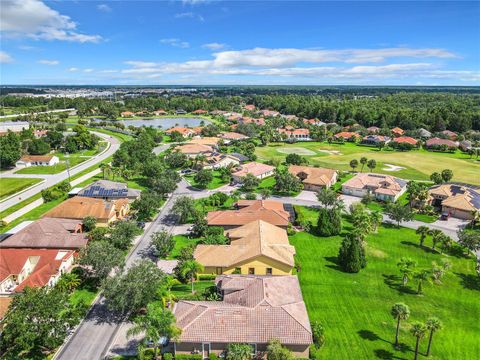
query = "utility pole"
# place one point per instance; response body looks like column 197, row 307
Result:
column 67, row 163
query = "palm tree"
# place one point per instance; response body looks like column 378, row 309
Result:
column 372, row 164
column 475, row 217
column 418, row 330
column 165, row 292
column 406, row 266
column 433, row 324
column 423, row 231
column 436, row 237
column 363, row 161
column 116, row 171
column 376, row 219
column 421, row 276
column 399, row 311
column 68, row 282
column 266, row 193
column 106, row 168
column 190, row 269
column 353, row 164
column 445, row 243
column 158, row 322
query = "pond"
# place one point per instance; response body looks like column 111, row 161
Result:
column 166, row 123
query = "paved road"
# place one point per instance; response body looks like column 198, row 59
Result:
column 41, row 112
column 51, row 180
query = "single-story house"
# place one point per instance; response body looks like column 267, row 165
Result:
column 250, row 120
column 259, row 170
column 127, row 114
column 39, row 133
column 373, row 129
column 257, row 248
column 37, row 160
column 240, row 157
column 458, row 201
column 298, row 134
column 192, row 150
column 49, row 233
column 383, row 187
column 405, row 140
column 314, row 179
column 375, row 140
column 450, row 134
column 396, row 131
column 346, row 135
column 109, row 190
column 200, row 112
column 315, row 122
column 270, row 113
column 436, row 142
column 79, row 207
column 253, row 310
column 185, row 132
column 32, row 267
column 216, row 160
column 232, row 136
column 180, row 112
column 424, row 133
column 160, row 112
column 249, row 107
column 210, row 141
column 247, row 211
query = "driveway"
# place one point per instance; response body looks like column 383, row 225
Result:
column 307, row 195
column 349, row 200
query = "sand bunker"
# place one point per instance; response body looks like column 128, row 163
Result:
column 296, row 150
column 331, row 152
column 390, row 167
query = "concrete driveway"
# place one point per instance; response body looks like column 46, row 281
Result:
column 349, row 200
column 307, row 195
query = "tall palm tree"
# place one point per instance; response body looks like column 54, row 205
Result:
column 190, row 269
column 475, row 217
column 421, row 276
column 423, row 231
column 418, row 330
column 436, row 237
column 158, row 322
column 433, row 324
column 400, row 312
column 106, row 168
column 68, row 282
column 376, row 219
column 406, row 266
column 363, row 161
column 165, row 292
column 445, row 243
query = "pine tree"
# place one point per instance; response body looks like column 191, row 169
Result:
column 351, row 255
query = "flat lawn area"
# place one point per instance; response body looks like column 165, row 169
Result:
column 10, row 186
column 214, row 184
column 185, row 290
column 355, row 308
column 418, row 164
column 181, row 241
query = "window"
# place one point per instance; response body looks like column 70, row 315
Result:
column 251, row 271
column 269, row 271
column 254, row 349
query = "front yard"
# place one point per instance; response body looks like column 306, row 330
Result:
column 10, row 186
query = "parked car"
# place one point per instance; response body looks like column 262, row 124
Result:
column 445, row 216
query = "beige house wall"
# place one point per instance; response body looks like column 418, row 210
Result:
column 259, row 264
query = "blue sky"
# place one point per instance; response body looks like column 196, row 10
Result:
column 240, row 42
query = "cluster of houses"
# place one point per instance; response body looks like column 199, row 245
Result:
column 37, row 253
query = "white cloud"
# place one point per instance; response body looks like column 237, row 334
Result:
column 175, row 43
column 214, row 46
column 88, row 70
column 48, row 62
column 189, row 15
column 73, row 69
column 5, row 58
column 34, row 19
column 195, row 2
column 27, row 48
column 104, row 8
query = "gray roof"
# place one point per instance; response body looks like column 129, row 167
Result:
column 109, row 189
column 424, row 132
column 239, row 157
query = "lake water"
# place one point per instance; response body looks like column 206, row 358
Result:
column 166, row 123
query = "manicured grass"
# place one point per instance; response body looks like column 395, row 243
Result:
column 137, row 182
column 214, row 184
column 464, row 168
column 355, row 308
column 185, row 290
column 425, row 218
column 10, row 186
column 181, row 241
column 203, row 205
column 122, row 137
column 337, row 187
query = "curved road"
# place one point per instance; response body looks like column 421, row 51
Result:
column 53, row 179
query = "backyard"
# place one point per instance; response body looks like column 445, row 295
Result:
column 338, row 156
column 355, row 308
column 214, row 184
column 9, row 186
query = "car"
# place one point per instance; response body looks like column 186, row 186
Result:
column 445, row 216
column 141, row 224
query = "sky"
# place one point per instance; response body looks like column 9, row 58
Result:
column 202, row 42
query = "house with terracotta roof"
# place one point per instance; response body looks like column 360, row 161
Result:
column 229, row 136
column 185, row 132
column 312, row 178
column 253, row 310
column 32, row 267
column 247, row 211
column 210, row 141
column 270, row 113
column 200, row 112
column 373, row 129
column 259, row 170
column 382, row 187
column 256, row 248
column 375, row 140
column 160, row 112
column 405, row 140
column 250, row 120
column 39, row 133
column 316, row 122
column 437, row 144
column 297, row 134
column 217, row 160
column 459, row 201
column 450, row 134
column 396, row 131
column 79, row 207
column 37, row 160
column 127, row 114
column 347, row 135
column 193, row 150
column 249, row 107
column 49, row 233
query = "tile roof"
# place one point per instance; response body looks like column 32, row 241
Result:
column 32, row 158
column 257, row 238
column 405, row 139
column 210, row 141
column 397, row 130
column 194, row 149
column 250, row 210
column 437, row 141
column 56, row 233
column 254, row 309
column 182, row 130
column 457, row 196
column 293, row 132
column 79, row 207
column 254, row 168
column 232, row 136
column 346, row 134
column 312, row 175
column 383, row 184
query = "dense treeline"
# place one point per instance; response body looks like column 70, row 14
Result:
column 433, row 111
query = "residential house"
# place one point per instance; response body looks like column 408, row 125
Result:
column 240, row 157
column 405, row 140
column 193, row 150
column 375, row 140
column 185, row 132
column 200, row 112
column 250, row 120
column 39, row 133
column 210, row 141
column 424, row 133
column 127, row 114
column 314, row 179
column 382, row 187
column 297, row 134
column 253, row 310
column 160, row 112
column 232, row 136
column 259, row 170
column 217, row 160
column 247, row 211
column 396, row 131
column 347, row 135
column 315, row 122
column 49, row 233
column 450, row 135
column 109, row 190
column 256, row 248
column 373, row 129
column 436, row 143
column 249, row 107
column 37, row 160
column 459, row 201
column 180, row 112
column 79, row 207
column 270, row 113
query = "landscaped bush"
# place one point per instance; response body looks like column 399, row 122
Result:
column 213, row 356
column 168, row 356
column 206, row 277
column 188, row 357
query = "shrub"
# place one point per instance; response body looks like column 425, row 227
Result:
column 329, row 222
column 188, row 357
column 318, row 333
column 167, row 356
column 206, row 277
column 213, row 356
column 351, row 255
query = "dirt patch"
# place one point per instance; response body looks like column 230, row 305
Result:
column 376, row 253
column 390, row 167
column 296, row 150
column 331, row 152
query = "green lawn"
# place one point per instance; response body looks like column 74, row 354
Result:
column 464, row 168
column 355, row 308
column 214, row 184
column 184, row 291
column 181, row 241
column 10, row 186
